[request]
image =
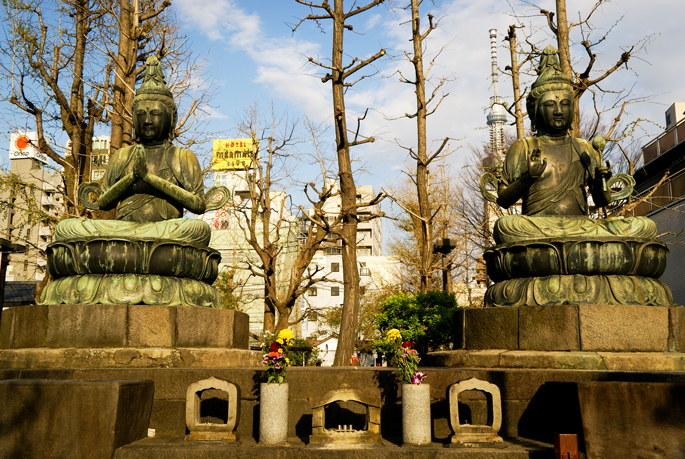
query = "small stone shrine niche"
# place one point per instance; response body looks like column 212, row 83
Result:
column 464, row 433
column 336, row 421
column 212, row 410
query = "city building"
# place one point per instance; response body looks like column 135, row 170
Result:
column 30, row 186
column 666, row 206
column 228, row 236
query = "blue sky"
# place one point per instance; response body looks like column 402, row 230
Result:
column 258, row 58
column 254, row 57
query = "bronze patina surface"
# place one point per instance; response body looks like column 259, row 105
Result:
column 149, row 254
column 553, row 253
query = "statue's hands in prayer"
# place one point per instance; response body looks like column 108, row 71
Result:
column 535, row 166
column 140, row 163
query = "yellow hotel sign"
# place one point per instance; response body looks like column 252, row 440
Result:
column 233, row 154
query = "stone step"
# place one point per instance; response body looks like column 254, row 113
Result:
column 176, row 447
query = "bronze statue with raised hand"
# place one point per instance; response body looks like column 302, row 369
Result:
column 553, row 253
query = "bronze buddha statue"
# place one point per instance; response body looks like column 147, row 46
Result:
column 553, row 253
column 149, row 254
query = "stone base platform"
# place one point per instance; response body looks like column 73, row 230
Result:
column 129, row 358
column 531, row 402
column 557, row 360
column 586, row 328
column 175, row 447
column 93, row 326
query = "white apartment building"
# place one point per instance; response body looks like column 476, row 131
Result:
column 236, row 253
column 43, row 190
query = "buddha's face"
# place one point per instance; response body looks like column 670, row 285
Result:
column 153, row 121
column 555, row 111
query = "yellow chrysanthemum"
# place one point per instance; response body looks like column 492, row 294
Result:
column 286, row 334
column 394, row 334
column 279, row 341
column 287, row 360
column 280, row 351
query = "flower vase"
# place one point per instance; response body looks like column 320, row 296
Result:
column 416, row 414
column 273, row 413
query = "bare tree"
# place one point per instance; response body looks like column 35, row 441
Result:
column 269, row 227
column 338, row 74
column 46, row 64
column 423, row 215
column 515, row 69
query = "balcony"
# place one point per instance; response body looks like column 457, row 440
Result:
column 664, row 142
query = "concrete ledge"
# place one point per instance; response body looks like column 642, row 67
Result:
column 555, row 360
column 46, row 358
column 89, row 326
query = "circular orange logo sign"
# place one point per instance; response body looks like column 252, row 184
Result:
column 22, row 142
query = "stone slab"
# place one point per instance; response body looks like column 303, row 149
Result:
column 490, row 328
column 203, row 327
column 84, row 326
column 677, row 329
column 91, row 326
column 549, row 328
column 129, row 358
column 623, row 328
column 23, row 326
column 630, row 419
column 595, row 328
column 73, row 418
column 151, row 326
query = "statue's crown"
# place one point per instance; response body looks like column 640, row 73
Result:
column 549, row 69
column 153, row 81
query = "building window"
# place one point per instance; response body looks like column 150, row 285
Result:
column 28, row 233
column 335, row 267
column 312, row 316
column 335, row 291
column 333, row 251
column 26, row 265
column 312, row 291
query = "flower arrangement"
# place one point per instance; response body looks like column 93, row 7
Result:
column 273, row 350
column 405, row 356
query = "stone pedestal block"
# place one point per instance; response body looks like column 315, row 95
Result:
column 72, row 419
column 85, row 326
column 623, row 328
column 594, row 328
column 273, row 414
column 488, row 328
column 416, row 414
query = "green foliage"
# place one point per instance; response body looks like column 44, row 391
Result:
column 227, row 285
column 425, row 319
column 311, row 358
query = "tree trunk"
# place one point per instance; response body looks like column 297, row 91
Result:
column 565, row 61
column 422, row 225
column 348, row 195
column 124, row 79
column 520, row 131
